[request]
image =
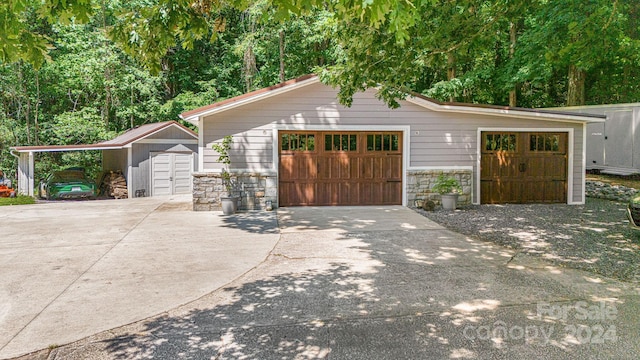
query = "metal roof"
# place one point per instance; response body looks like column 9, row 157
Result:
column 124, row 140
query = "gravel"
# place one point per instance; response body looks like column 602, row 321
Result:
column 595, row 237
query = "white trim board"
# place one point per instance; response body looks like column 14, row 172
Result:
column 451, row 167
column 570, row 155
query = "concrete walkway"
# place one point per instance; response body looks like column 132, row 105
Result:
column 384, row 283
column 71, row 269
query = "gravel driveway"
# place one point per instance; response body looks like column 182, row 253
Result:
column 593, row 237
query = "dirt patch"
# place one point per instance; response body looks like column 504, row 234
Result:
column 176, row 206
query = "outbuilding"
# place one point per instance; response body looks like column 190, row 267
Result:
column 613, row 146
column 156, row 159
column 295, row 145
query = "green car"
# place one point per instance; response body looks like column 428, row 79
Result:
column 633, row 212
column 67, row 184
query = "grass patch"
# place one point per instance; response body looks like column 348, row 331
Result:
column 19, row 200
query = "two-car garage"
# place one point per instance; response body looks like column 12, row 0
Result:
column 365, row 168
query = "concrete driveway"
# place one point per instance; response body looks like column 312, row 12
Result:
column 384, row 283
column 71, row 269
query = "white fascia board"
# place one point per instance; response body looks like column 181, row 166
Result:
column 193, row 119
column 79, row 148
column 504, row 112
column 602, row 106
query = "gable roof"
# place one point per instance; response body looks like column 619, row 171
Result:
column 192, row 116
column 124, row 140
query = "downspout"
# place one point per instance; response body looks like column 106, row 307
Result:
column 14, row 155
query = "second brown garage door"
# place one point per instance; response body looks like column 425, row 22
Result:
column 523, row 167
column 340, row 168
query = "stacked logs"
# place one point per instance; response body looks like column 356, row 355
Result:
column 114, row 185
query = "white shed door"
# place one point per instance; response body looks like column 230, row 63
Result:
column 170, row 173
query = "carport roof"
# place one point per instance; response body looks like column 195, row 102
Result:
column 125, row 140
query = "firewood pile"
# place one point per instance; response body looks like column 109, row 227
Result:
column 114, row 185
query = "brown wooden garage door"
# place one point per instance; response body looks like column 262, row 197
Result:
column 519, row 167
column 340, row 168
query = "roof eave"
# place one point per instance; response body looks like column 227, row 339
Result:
column 535, row 115
column 53, row 148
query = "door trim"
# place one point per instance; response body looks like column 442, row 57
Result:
column 570, row 150
column 405, row 129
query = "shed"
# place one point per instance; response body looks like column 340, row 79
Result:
column 296, row 145
column 156, row 159
column 613, row 146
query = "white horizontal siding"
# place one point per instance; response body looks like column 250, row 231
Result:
column 437, row 139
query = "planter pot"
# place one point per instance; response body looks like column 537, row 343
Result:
column 229, row 204
column 418, row 203
column 449, row 201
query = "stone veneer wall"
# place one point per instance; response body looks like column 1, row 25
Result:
column 420, row 182
column 254, row 189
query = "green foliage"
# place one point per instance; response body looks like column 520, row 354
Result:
column 188, row 101
column 18, row 200
column 18, row 41
column 222, row 149
column 446, row 185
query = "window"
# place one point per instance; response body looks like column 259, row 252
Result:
column 298, row 142
column 340, row 142
column 544, row 142
column 383, row 142
column 500, row 142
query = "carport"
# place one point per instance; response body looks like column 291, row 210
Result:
column 156, row 159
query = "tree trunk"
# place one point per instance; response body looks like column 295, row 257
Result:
column 249, row 67
column 107, row 70
column 282, row 75
column 35, row 122
column 131, row 104
column 451, row 71
column 27, row 110
column 513, row 31
column 575, row 88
